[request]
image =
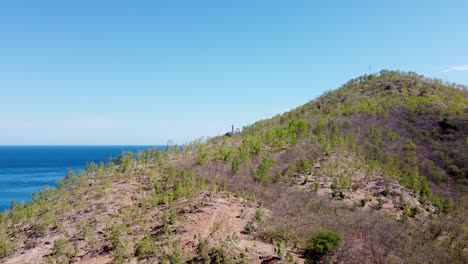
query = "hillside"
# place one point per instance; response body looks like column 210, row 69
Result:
column 373, row 172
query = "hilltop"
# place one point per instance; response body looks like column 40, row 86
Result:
column 372, row 172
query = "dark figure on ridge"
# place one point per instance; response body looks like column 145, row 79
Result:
column 230, row 134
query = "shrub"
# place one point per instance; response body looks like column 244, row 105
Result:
column 235, row 165
column 406, row 213
column 363, row 202
column 435, row 173
column 259, row 215
column 69, row 181
column 121, row 244
column 454, row 170
column 322, row 244
column 414, row 211
column 316, row 186
column 447, row 125
column 292, row 170
column 305, row 166
column 279, row 248
column 386, row 191
column 244, row 153
column 447, row 206
column 409, row 145
column 248, row 229
column 424, row 190
column 341, row 183
column 261, row 173
column 224, row 154
column 278, row 177
column 279, row 144
column 253, row 144
column 176, row 257
column 6, row 247
column 392, row 135
column 341, row 195
column 319, row 128
column 45, row 222
column 63, row 248
column 146, row 248
column 202, row 155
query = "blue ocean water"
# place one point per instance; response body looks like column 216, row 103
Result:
column 26, row 169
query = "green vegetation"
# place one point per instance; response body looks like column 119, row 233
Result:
column 202, row 155
column 259, row 215
column 261, row 173
column 146, row 248
column 322, row 244
column 404, row 134
column 6, row 246
column 63, row 248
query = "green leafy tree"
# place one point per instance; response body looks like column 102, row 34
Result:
column 261, row 173
column 322, row 244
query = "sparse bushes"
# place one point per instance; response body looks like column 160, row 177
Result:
column 265, row 148
column 322, row 244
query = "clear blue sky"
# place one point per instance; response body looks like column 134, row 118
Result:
column 144, row 72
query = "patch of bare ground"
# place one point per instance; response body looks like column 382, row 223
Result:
column 218, row 220
column 343, row 177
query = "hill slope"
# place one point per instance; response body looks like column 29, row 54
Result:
column 381, row 161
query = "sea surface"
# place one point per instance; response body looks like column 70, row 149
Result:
column 26, row 169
